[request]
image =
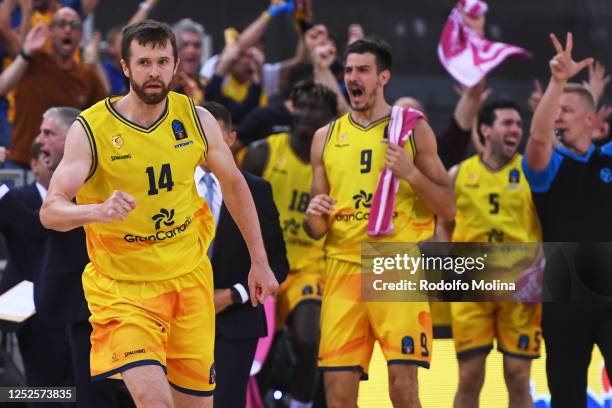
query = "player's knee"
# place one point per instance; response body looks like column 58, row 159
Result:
column 307, row 343
column 403, row 387
column 471, row 380
column 305, row 328
column 517, row 378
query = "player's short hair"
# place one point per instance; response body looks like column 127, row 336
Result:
column 219, row 112
column 487, row 116
column 373, row 45
column 66, row 115
column 147, row 32
column 187, row 25
column 318, row 92
column 583, row 93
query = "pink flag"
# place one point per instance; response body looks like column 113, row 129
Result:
column 466, row 55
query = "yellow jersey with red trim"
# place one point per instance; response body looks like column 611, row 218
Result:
column 169, row 231
column 291, row 178
column 494, row 205
column 354, row 157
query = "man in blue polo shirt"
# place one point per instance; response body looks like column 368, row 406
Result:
column 571, row 181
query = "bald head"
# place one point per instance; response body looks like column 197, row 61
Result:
column 65, row 32
column 66, row 12
column 409, row 102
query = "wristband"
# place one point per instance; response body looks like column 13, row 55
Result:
column 25, row 55
column 286, row 7
column 144, row 6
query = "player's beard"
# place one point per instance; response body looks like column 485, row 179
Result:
column 150, row 99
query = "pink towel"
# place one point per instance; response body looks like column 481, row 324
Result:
column 466, row 55
column 380, row 222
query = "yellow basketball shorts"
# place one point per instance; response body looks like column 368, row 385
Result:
column 349, row 326
column 169, row 323
column 516, row 326
column 305, row 285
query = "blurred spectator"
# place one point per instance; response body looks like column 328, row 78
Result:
column 119, row 83
column 453, row 142
column 189, row 40
column 274, row 118
column 246, row 70
column 233, row 75
column 44, row 80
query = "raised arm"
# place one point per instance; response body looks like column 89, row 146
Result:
column 34, row 41
column 239, row 202
column 321, row 204
column 255, row 31
column 562, row 67
column 426, row 174
column 58, row 212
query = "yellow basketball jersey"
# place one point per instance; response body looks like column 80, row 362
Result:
column 168, row 232
column 354, row 157
column 494, row 206
column 291, row 178
column 238, row 91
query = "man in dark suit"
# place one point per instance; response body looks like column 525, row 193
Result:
column 238, row 325
column 43, row 345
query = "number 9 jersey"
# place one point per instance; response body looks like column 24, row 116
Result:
column 169, row 231
column 354, row 157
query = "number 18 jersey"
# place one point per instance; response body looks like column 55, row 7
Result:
column 168, row 232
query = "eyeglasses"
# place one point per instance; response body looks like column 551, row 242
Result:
column 74, row 24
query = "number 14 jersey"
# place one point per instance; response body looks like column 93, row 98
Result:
column 168, row 232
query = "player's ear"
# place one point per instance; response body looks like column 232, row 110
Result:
column 176, row 65
column 385, row 76
column 125, row 68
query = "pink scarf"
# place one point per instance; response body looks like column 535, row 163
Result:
column 466, row 55
column 400, row 128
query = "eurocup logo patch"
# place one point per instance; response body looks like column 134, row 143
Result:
column 514, row 176
column 179, row 130
column 407, row 345
column 523, row 343
column 606, row 175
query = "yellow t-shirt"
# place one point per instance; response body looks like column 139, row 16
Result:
column 354, row 157
column 291, row 178
column 238, row 91
column 169, row 231
column 494, row 206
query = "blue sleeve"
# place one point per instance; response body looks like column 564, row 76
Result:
column 540, row 181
